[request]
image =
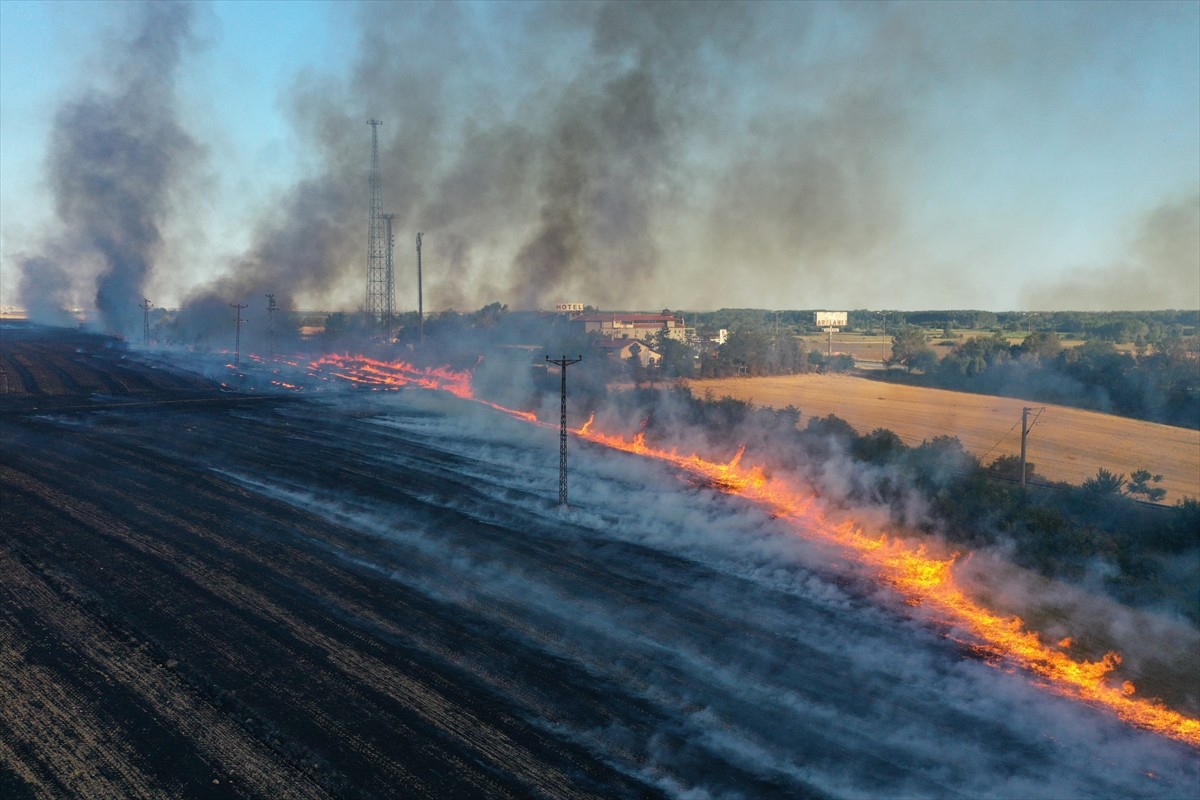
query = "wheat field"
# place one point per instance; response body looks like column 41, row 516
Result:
column 1065, row 444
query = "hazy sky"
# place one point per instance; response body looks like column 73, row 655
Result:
column 775, row 155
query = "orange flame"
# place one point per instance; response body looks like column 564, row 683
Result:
column 929, row 581
column 360, row 369
column 921, row 577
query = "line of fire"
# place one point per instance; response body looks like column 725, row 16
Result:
column 475, row 356
column 632, row 392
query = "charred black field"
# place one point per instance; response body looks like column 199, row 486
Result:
column 209, row 593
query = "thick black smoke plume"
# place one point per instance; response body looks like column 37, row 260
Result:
column 613, row 153
column 554, row 191
column 116, row 158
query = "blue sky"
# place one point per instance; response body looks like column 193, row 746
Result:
column 694, row 156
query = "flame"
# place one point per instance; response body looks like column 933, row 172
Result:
column 929, row 581
column 363, row 370
column 923, row 578
column 587, row 425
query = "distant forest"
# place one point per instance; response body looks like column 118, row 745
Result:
column 1118, row 327
column 1155, row 375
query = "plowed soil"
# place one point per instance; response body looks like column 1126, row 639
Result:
column 1066, row 444
column 165, row 633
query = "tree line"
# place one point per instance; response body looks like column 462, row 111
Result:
column 1160, row 384
column 1119, row 327
column 1100, row 531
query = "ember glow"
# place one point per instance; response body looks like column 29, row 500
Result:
column 923, row 577
column 369, row 371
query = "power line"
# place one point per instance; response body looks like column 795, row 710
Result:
column 1026, row 427
column 998, row 441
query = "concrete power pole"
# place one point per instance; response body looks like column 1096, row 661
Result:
column 563, row 363
column 237, row 339
column 271, row 326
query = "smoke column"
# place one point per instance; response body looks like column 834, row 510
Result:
column 116, row 158
column 706, row 155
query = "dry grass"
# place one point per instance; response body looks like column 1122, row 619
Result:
column 1066, row 444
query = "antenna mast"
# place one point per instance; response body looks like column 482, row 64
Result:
column 377, row 305
column 563, row 363
column 420, row 299
column 390, row 280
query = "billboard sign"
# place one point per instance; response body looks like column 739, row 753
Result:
column 831, row 319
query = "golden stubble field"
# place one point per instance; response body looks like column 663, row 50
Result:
column 1066, row 444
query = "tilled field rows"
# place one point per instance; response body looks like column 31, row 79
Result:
column 33, row 364
column 254, row 666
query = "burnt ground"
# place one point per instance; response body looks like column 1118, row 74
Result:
column 165, row 633
column 212, row 594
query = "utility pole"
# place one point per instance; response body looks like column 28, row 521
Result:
column 1026, row 426
column 563, row 363
column 271, row 326
column 420, row 299
column 390, row 302
column 237, row 339
column 145, row 307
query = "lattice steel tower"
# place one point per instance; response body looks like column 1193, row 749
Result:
column 390, row 242
column 380, row 293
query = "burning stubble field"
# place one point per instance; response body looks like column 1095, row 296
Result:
column 1066, row 444
column 345, row 593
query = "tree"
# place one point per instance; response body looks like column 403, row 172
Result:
column 842, row 362
column 1041, row 345
column 924, row 360
column 878, row 446
column 906, row 344
column 637, row 370
column 489, row 315
column 1139, row 484
column 745, row 352
column 1010, row 467
column 678, row 358
column 1104, row 484
column 832, row 426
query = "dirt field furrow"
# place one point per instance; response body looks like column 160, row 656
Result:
column 127, row 677
column 206, row 557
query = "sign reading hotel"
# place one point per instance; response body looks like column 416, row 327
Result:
column 831, row 319
column 568, row 308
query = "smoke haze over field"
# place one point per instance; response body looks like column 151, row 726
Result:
column 771, row 155
column 117, row 155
